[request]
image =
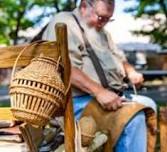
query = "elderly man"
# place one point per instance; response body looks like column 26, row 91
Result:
column 85, row 35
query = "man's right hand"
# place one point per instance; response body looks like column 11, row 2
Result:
column 108, row 99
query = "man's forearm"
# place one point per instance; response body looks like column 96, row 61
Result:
column 83, row 82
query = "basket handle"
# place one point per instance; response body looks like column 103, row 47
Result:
column 20, row 54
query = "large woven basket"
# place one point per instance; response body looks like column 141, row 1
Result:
column 37, row 91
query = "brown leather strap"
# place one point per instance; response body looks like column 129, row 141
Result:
column 93, row 57
column 95, row 61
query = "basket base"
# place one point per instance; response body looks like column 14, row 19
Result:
column 34, row 119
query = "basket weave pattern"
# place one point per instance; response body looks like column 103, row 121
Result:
column 37, row 91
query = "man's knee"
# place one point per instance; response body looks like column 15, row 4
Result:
column 147, row 101
column 134, row 135
column 138, row 121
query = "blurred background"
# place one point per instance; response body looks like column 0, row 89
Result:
column 139, row 29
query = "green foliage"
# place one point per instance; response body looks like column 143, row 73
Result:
column 15, row 16
column 156, row 12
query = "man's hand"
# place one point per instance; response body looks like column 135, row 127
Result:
column 108, row 100
column 135, row 78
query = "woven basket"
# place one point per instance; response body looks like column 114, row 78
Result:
column 37, row 91
column 88, row 129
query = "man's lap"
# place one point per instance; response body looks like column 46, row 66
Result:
column 142, row 100
column 80, row 102
column 128, row 131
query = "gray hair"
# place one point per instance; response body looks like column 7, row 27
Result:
column 106, row 1
column 111, row 2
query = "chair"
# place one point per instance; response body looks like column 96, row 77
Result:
column 54, row 50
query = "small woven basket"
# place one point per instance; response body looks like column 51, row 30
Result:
column 37, row 91
column 88, row 129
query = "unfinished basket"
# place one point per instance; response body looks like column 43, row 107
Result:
column 88, row 129
column 37, row 91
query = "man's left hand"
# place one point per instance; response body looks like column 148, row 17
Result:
column 135, row 78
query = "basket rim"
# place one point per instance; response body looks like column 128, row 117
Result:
column 47, row 60
column 87, row 135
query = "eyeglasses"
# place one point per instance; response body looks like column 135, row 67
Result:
column 101, row 19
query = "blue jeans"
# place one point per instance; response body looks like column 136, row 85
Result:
column 134, row 135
